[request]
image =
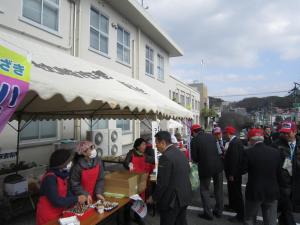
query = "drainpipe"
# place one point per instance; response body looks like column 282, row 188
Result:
column 75, row 5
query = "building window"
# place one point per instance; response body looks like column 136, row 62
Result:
column 174, row 96
column 160, row 67
column 193, row 104
column 39, row 130
column 123, row 45
column 98, row 31
column 124, row 125
column 100, row 124
column 188, row 101
column 182, row 99
column 44, row 12
column 149, row 61
column 170, row 94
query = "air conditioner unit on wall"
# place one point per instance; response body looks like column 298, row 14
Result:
column 100, row 139
column 115, row 142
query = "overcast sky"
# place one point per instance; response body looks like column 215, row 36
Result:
column 246, row 46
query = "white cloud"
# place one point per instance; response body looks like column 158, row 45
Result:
column 231, row 33
column 233, row 78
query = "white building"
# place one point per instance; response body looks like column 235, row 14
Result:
column 120, row 35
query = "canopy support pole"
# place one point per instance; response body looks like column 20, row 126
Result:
column 19, row 129
column 149, row 127
column 91, row 125
column 18, row 143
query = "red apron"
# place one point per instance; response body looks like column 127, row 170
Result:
column 141, row 166
column 89, row 178
column 45, row 210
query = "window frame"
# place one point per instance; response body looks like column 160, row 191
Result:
column 40, row 139
column 41, row 25
column 151, row 61
column 124, row 46
column 182, row 96
column 100, row 13
column 96, row 123
column 124, row 131
column 160, row 67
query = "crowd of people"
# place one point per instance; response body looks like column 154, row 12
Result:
column 272, row 163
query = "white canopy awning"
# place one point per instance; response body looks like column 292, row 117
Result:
column 173, row 124
column 63, row 87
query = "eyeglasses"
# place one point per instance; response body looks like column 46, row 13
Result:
column 89, row 148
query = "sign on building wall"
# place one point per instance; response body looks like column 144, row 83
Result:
column 14, row 81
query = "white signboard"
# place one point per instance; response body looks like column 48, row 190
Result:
column 155, row 129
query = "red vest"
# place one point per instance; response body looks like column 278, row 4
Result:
column 89, row 178
column 45, row 210
column 141, row 166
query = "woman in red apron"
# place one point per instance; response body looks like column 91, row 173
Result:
column 87, row 174
column 137, row 161
column 54, row 194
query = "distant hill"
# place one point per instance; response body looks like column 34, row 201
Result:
column 215, row 102
column 254, row 104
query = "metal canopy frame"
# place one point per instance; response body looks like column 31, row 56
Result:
column 35, row 116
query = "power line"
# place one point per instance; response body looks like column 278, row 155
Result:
column 250, row 94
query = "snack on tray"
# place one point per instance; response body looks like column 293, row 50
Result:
column 81, row 211
column 78, row 209
column 107, row 205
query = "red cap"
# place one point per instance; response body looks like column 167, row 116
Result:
column 287, row 127
column 230, row 130
column 195, row 127
column 255, row 132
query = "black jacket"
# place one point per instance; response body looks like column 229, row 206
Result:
column 290, row 182
column 173, row 187
column 204, row 152
column 234, row 158
column 264, row 173
column 268, row 140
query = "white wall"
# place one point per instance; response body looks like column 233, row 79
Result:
column 87, row 53
column 11, row 20
column 161, row 86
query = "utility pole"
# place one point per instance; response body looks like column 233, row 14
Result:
column 271, row 104
column 295, row 92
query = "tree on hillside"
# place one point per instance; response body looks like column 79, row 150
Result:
column 236, row 120
column 217, row 102
column 207, row 113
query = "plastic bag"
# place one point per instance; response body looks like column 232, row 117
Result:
column 194, row 177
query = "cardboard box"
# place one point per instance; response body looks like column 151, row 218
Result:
column 142, row 182
column 121, row 182
column 125, row 182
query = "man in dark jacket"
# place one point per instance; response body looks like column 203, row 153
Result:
column 205, row 153
column 173, row 189
column 289, row 147
column 264, row 175
column 234, row 151
column 267, row 136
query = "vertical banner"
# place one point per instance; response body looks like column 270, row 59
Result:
column 155, row 129
column 14, row 81
column 188, row 126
